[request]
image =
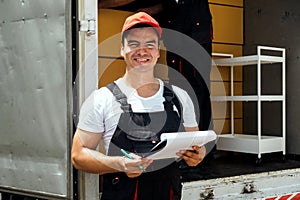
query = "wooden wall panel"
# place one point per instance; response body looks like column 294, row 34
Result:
column 228, row 39
column 236, row 50
column 221, row 110
column 110, row 70
column 219, row 88
column 238, row 88
column 238, row 109
column 223, row 88
column 239, row 3
column 238, row 126
column 227, row 24
column 222, row 126
column 110, row 22
column 219, row 74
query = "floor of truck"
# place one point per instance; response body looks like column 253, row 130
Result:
column 224, row 164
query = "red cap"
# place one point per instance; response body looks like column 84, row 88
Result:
column 141, row 18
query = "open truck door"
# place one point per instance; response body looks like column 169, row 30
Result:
column 87, row 80
column 36, row 98
column 38, row 94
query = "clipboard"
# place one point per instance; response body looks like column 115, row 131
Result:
column 171, row 143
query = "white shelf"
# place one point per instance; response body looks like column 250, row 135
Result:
column 248, row 98
column 255, row 143
column 250, row 143
column 248, row 60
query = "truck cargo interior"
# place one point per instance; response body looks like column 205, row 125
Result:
column 233, row 36
column 239, row 30
column 55, row 53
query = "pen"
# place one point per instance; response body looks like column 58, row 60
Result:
column 130, row 157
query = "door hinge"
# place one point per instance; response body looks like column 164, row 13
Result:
column 88, row 26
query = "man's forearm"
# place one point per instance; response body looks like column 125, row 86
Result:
column 95, row 162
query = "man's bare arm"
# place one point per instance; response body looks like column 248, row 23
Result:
column 86, row 158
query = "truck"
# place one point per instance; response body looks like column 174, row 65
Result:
column 48, row 66
column 40, row 90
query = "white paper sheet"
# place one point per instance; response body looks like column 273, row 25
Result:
column 181, row 141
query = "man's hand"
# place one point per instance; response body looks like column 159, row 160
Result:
column 132, row 166
column 193, row 157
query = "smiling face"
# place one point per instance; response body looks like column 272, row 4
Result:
column 141, row 49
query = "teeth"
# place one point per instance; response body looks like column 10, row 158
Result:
column 142, row 60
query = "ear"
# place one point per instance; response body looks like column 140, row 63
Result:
column 159, row 49
column 122, row 51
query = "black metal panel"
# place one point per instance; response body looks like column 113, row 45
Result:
column 276, row 23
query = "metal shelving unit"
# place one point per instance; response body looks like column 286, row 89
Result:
column 257, row 143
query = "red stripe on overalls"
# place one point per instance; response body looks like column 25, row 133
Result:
column 180, row 66
column 136, row 190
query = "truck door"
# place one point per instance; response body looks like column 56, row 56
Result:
column 35, row 100
column 87, row 80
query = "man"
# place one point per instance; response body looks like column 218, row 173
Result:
column 193, row 19
column 130, row 114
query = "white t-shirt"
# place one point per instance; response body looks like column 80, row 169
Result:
column 100, row 112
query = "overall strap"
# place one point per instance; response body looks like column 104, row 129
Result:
column 168, row 94
column 120, row 96
column 171, row 97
